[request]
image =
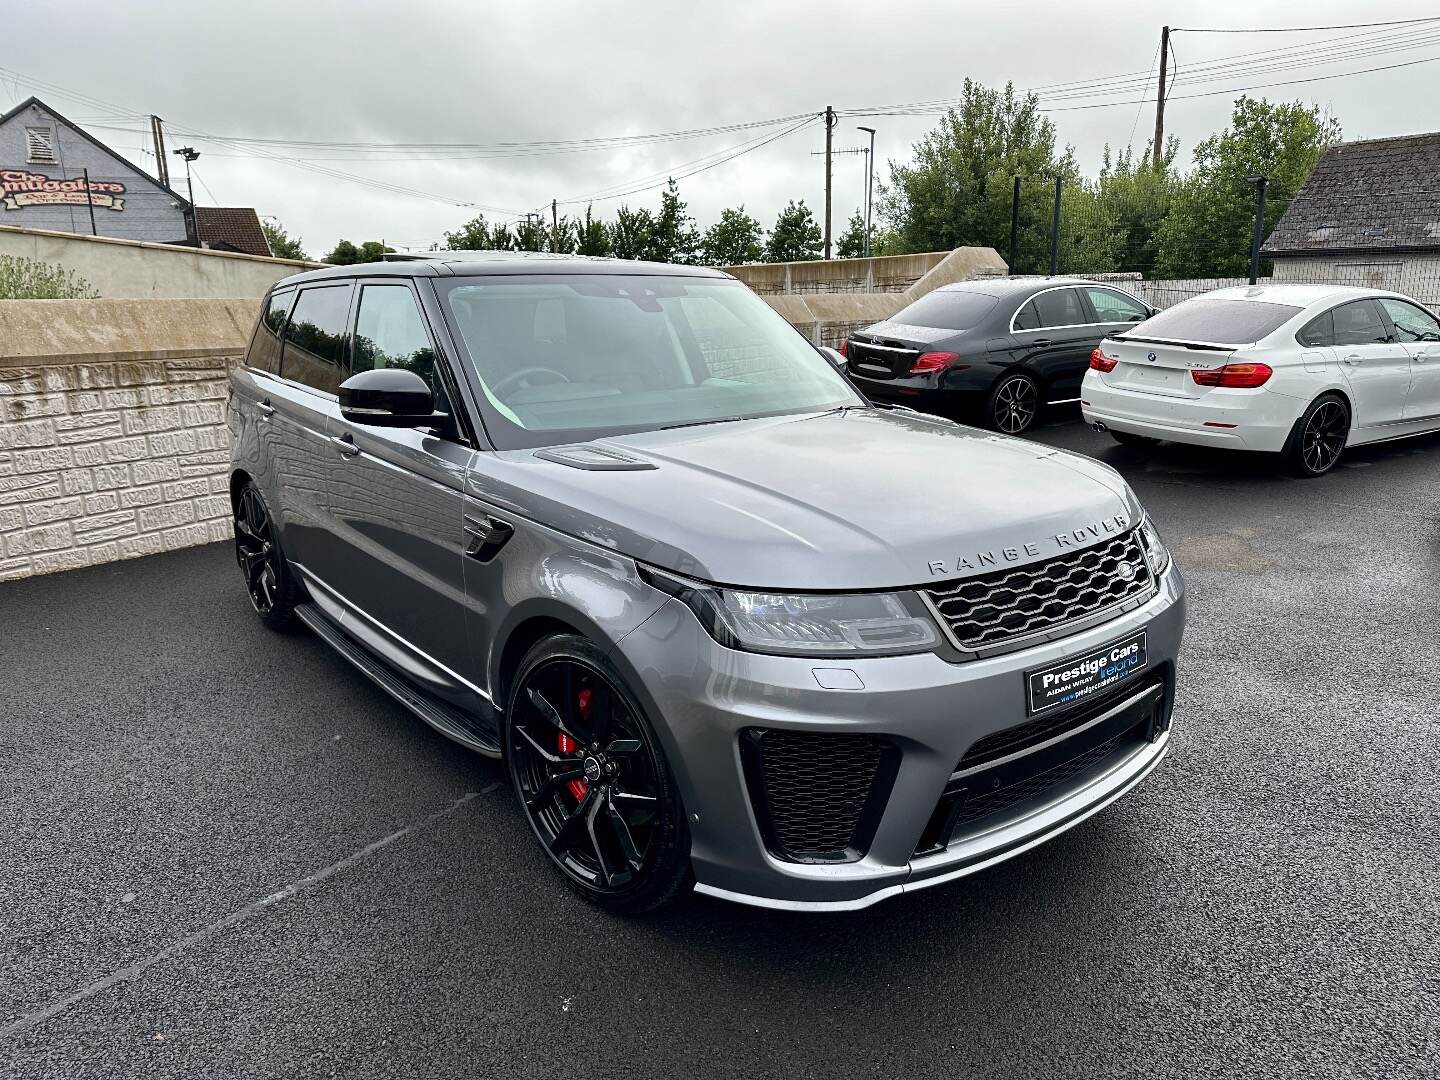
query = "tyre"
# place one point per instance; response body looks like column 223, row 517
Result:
column 1133, row 442
column 1318, row 438
column 1013, row 404
column 268, row 578
column 592, row 779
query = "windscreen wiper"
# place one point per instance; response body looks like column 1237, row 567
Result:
column 698, row 423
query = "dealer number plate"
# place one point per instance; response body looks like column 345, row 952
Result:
column 1072, row 681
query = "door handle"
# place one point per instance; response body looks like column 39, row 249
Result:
column 266, row 409
column 1042, row 341
column 484, row 537
column 1352, row 359
column 345, row 444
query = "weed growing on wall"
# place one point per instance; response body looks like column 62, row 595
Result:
column 30, row 279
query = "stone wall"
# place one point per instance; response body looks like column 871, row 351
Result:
column 112, row 428
column 132, row 268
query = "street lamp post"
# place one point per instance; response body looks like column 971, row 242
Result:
column 869, row 184
column 189, row 153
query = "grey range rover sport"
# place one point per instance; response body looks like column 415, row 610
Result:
column 726, row 624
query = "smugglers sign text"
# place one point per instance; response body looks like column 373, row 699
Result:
column 20, row 188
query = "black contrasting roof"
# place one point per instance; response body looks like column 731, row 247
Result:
column 1379, row 195
column 512, row 263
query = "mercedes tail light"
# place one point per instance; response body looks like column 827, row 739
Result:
column 1235, row 376
column 1100, row 362
column 845, row 348
column 931, row 362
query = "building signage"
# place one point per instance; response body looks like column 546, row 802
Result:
column 20, row 188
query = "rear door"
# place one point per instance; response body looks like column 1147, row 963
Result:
column 1055, row 333
column 1375, row 365
column 1419, row 332
column 299, row 404
column 397, row 541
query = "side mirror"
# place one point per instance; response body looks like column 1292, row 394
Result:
column 833, row 355
column 388, row 397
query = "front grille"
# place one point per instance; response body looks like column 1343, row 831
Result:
column 816, row 794
column 993, row 609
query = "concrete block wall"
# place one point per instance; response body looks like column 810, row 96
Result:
column 114, row 454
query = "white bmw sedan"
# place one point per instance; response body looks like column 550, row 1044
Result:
column 1298, row 370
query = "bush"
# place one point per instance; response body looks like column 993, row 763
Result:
column 30, row 279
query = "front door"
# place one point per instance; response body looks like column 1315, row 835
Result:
column 1376, row 367
column 397, row 507
column 1419, row 332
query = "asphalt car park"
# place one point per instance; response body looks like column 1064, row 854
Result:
column 228, row 854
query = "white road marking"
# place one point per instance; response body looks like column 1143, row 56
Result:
column 249, row 911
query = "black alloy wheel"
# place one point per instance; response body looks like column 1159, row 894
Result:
column 1014, row 403
column 1319, row 438
column 591, row 780
column 266, row 578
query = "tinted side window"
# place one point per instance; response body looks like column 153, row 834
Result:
column 1411, row 323
column 1359, row 323
column 265, row 349
column 1114, row 307
column 315, row 338
column 1060, row 307
column 1027, row 318
column 1318, row 332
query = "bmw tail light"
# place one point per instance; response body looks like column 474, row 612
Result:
column 1235, row 376
column 931, row 362
column 1100, row 362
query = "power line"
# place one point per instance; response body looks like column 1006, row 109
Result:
column 1294, row 29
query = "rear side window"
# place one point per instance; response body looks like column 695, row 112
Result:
column 315, row 338
column 1360, row 323
column 1060, row 307
column 1218, row 322
column 947, row 310
column 1318, row 333
column 265, row 349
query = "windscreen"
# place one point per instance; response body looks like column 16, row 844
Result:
column 947, row 310
column 1219, row 322
column 563, row 358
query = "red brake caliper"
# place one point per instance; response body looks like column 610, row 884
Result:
column 567, row 745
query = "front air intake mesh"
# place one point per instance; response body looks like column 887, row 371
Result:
column 817, row 795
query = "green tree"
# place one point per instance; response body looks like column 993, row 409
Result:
column 852, row 241
column 733, row 240
column 796, row 236
column 474, row 235
column 282, row 244
column 347, row 254
column 593, row 238
column 30, row 279
column 675, row 238
column 530, row 234
column 957, row 190
column 502, row 238
column 632, row 235
column 1208, row 230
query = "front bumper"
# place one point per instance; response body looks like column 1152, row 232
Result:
column 705, row 698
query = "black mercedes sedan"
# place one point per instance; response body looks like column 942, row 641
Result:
column 994, row 350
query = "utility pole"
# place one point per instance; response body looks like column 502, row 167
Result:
column 869, row 184
column 1158, row 150
column 162, row 163
column 829, row 135
column 189, row 153
column 554, row 216
column 1261, row 183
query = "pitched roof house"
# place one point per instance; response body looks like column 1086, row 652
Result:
column 1369, row 214
column 231, row 228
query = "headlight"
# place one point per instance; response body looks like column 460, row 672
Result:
column 1156, row 553
column 805, row 624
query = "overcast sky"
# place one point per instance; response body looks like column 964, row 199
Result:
column 432, row 71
